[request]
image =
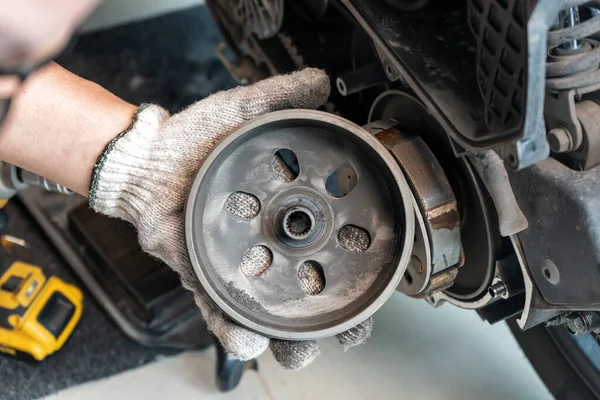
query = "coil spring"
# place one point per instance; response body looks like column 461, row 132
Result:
column 573, row 52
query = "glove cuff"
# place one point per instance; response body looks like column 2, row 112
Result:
column 116, row 179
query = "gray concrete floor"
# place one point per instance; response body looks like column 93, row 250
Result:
column 115, row 12
column 416, row 352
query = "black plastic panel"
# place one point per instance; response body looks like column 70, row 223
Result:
column 499, row 26
column 562, row 243
column 140, row 294
column 445, row 63
column 135, row 278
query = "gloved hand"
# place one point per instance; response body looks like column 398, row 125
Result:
column 145, row 173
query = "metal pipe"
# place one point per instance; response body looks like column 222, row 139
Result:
column 13, row 179
column 569, row 18
column 31, row 179
column 497, row 290
column 363, row 78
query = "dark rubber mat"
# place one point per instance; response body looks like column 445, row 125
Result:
column 96, row 348
column 168, row 60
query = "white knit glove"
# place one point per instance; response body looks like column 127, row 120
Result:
column 144, row 175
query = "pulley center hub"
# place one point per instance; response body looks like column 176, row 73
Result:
column 299, row 219
column 298, row 223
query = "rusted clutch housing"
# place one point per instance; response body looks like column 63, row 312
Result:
column 300, row 224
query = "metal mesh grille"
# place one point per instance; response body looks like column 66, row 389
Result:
column 256, row 261
column 281, row 170
column 312, row 278
column 354, row 239
column 243, row 205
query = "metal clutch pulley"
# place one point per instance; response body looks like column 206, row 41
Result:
column 300, row 224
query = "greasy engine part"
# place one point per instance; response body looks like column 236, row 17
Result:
column 437, row 249
column 536, row 310
column 300, row 224
column 561, row 248
column 262, row 17
column 561, row 245
column 312, row 9
column 587, row 156
column 493, row 103
column 360, row 79
column 431, row 52
column 248, row 63
column 492, row 171
column 581, row 323
column 572, row 84
column 276, row 52
column 478, row 224
column 313, row 33
column 243, row 69
column 408, row 5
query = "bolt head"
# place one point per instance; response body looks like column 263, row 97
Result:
column 576, row 324
column 560, row 140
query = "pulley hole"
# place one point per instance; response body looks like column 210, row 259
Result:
column 285, row 165
column 408, row 278
column 297, row 223
column 312, row 277
column 341, row 182
column 242, row 205
column 256, row 261
column 354, row 238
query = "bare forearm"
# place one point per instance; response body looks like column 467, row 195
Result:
column 58, row 125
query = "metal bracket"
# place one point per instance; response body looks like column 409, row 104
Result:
column 533, row 146
column 561, row 113
column 243, row 70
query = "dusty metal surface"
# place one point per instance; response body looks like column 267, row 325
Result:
column 563, row 209
column 506, row 284
column 572, row 84
column 434, row 52
column 362, row 241
column 588, row 155
column 437, row 204
column 262, row 17
column 536, row 310
column 560, row 112
column 416, row 278
column 477, row 227
column 492, row 171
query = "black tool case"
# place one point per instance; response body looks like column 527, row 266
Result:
column 142, row 295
